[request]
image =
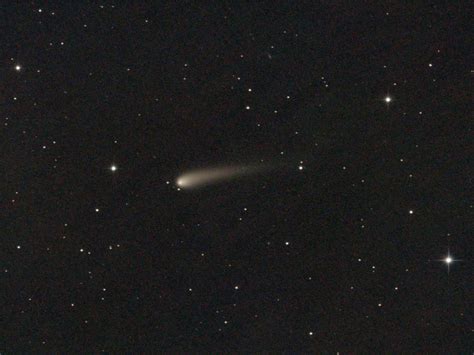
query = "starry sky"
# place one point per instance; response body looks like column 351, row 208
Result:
column 332, row 140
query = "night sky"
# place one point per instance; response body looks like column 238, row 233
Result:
column 236, row 177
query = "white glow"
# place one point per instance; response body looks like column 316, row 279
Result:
column 388, row 99
column 448, row 260
column 113, row 168
column 202, row 177
column 17, row 67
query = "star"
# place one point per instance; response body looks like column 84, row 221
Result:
column 388, row 99
column 113, row 168
column 448, row 260
column 18, row 67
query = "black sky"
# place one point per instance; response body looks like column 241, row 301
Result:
column 341, row 248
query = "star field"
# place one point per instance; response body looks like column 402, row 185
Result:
column 331, row 208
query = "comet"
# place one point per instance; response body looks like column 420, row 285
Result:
column 204, row 177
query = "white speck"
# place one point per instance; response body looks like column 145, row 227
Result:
column 388, row 99
column 97, row 210
column 247, row 107
column 17, row 67
column 410, row 212
column 113, row 168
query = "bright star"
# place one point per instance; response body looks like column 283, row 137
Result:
column 113, row 168
column 388, row 99
column 17, row 67
column 448, row 260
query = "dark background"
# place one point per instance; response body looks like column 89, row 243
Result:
column 328, row 258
